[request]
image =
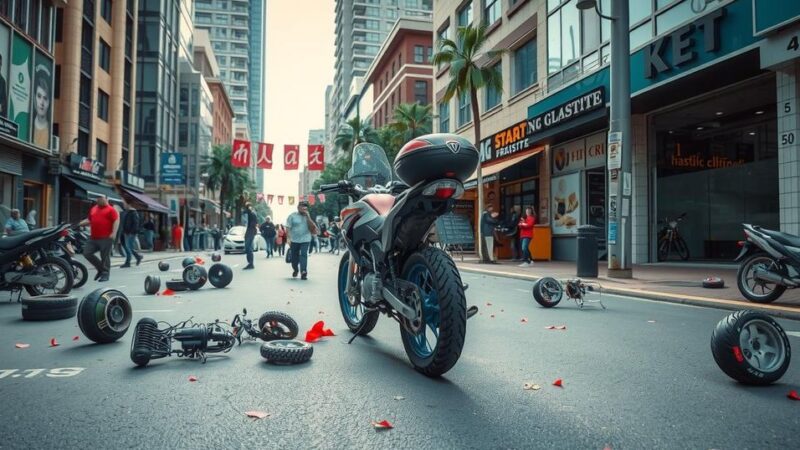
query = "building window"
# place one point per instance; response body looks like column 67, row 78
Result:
column 105, row 10
column 102, row 105
column 83, row 143
column 57, row 82
column 421, row 92
column 101, row 153
column 465, row 15
column 524, row 66
column 105, row 56
column 491, row 12
column 20, row 13
column 494, row 96
column 59, row 24
column 444, row 117
column 464, row 109
column 430, row 55
column 419, row 54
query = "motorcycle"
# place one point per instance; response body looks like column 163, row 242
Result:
column 24, row 263
column 390, row 265
column 66, row 248
column 669, row 238
column 770, row 264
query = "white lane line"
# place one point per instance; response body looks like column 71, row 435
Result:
column 794, row 333
column 522, row 290
column 152, row 310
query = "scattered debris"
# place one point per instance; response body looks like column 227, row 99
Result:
column 167, row 291
column 75, row 338
column 491, row 316
column 531, row 387
column 558, row 383
column 318, row 331
column 556, row 327
column 792, row 395
column 21, row 345
column 54, row 342
column 524, row 320
column 382, row 425
column 399, row 397
column 651, row 321
column 488, row 303
column 192, row 378
column 257, row 414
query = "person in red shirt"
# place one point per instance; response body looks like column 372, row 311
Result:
column 104, row 222
column 177, row 236
column 526, row 223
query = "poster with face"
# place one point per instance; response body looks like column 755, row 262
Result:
column 42, row 100
column 566, row 204
column 20, row 86
column 5, row 42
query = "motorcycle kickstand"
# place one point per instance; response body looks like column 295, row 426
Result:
column 355, row 335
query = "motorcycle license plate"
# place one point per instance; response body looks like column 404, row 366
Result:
column 70, row 248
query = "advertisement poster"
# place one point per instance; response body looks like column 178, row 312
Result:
column 5, row 63
column 567, row 200
column 20, row 86
column 41, row 108
column 172, row 171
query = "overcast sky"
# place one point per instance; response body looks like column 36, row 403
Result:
column 299, row 65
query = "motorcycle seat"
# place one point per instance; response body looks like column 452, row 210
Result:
column 783, row 238
column 12, row 242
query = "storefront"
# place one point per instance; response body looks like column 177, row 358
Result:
column 131, row 187
column 81, row 184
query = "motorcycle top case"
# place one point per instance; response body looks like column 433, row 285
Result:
column 436, row 156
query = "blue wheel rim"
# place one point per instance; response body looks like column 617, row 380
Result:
column 424, row 344
column 353, row 314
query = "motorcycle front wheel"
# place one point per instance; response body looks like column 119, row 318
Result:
column 755, row 290
column 79, row 273
column 61, row 270
column 437, row 347
column 355, row 315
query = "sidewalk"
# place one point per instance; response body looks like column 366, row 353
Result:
column 677, row 283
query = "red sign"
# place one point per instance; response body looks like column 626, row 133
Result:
column 280, row 199
column 311, row 199
column 316, row 157
column 264, row 160
column 291, row 157
column 321, row 197
column 240, row 154
column 269, row 198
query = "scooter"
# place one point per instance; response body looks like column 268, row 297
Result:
column 391, row 267
column 770, row 264
column 24, row 263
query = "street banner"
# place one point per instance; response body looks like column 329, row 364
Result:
column 316, row 157
column 280, row 199
column 259, row 197
column 291, row 157
column 321, row 197
column 311, row 199
column 240, row 154
column 264, row 160
column 172, row 169
column 291, row 200
column 269, row 198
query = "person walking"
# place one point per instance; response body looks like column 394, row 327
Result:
column 15, row 224
column 216, row 235
column 251, row 229
column 512, row 225
column 280, row 240
column 268, row 233
column 130, row 229
column 188, row 235
column 103, row 221
column 526, row 224
column 488, row 222
column 149, row 228
column 177, row 236
column 301, row 229
column 118, row 245
column 336, row 234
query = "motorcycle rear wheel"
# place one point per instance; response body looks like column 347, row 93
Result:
column 79, row 273
column 747, row 284
column 358, row 319
column 444, row 312
column 61, row 269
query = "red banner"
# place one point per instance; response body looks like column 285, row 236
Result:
column 280, row 199
column 240, row 153
column 264, row 160
column 311, row 199
column 321, row 197
column 316, row 157
column 291, row 157
column 269, row 198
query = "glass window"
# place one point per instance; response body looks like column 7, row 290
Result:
column 21, row 13
column 494, row 96
column 641, row 34
column 464, row 109
column 101, row 151
column 491, row 12
column 465, row 15
column 105, row 56
column 591, row 30
column 59, row 24
column 662, row 3
column 57, row 82
column 430, row 55
column 45, row 33
column 419, row 54
column 33, row 14
column 421, row 92
column 102, row 105
column 105, row 10
column 372, row 24
column 524, row 66
column 605, row 25
column 444, row 117
column 391, row 14
column 673, row 17
column 639, row 9
column 570, row 33
column 554, row 42
column 553, row 4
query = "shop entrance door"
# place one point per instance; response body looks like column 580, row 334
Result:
column 32, row 211
column 596, row 205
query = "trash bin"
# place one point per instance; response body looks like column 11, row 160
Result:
column 587, row 251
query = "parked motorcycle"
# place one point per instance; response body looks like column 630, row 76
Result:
column 770, row 264
column 669, row 239
column 66, row 248
column 390, row 267
column 24, row 263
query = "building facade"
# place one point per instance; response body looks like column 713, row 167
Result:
column 223, row 113
column 308, row 177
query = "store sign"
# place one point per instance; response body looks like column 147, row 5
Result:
column 781, row 47
column 474, row 183
column 769, row 15
column 579, row 154
column 8, row 127
column 130, row 180
column 512, row 140
column 172, row 171
column 567, row 111
column 684, row 42
column 85, row 167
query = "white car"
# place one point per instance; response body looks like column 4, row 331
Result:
column 234, row 241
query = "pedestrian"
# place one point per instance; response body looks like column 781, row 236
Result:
column 324, row 236
column 216, row 235
column 149, row 228
column 130, row 229
column 488, row 222
column 513, row 230
column 103, row 222
column 268, row 233
column 526, row 224
column 250, row 222
column 177, row 236
column 118, row 238
column 189, row 235
column 15, row 225
column 336, row 234
column 280, row 240
column 301, row 229
column 30, row 219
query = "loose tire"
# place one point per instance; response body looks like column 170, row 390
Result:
column 105, row 315
column 277, row 325
column 357, row 318
column 751, row 347
column 220, row 275
column 79, row 274
column 547, row 292
column 286, row 352
column 216, row 257
column 713, row 283
column 63, row 272
column 444, row 308
column 187, row 262
column 747, row 284
column 163, row 266
column 177, row 285
column 152, row 284
column 195, row 277
column 49, row 307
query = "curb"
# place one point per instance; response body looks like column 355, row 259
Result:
column 731, row 305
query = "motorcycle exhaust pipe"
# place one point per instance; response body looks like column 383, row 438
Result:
column 772, row 277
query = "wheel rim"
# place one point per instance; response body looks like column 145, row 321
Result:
column 276, row 328
column 550, row 290
column 193, row 275
column 118, row 314
column 353, row 313
column 60, row 283
column 424, row 343
column 762, row 345
column 751, row 283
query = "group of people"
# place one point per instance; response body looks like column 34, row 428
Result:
column 519, row 228
column 16, row 225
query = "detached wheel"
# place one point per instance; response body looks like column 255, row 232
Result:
column 547, row 292
column 163, row 266
column 751, row 347
column 286, row 352
column 177, row 285
column 187, row 262
column 713, row 283
column 105, row 315
column 195, row 276
column 152, row 284
column 220, row 275
column 277, row 325
column 216, row 257
column 49, row 307
column 79, row 274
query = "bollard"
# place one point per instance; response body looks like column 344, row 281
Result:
column 587, row 251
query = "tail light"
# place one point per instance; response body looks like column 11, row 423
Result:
column 414, row 145
column 444, row 189
column 64, row 233
column 740, row 244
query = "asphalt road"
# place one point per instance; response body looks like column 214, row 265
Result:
column 628, row 382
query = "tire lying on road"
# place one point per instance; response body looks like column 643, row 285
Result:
column 152, row 284
column 713, row 283
column 277, row 325
column 286, row 351
column 547, row 292
column 195, row 276
column 163, row 266
column 177, row 285
column 187, row 262
column 220, row 275
column 751, row 347
column 49, row 307
column 216, row 257
column 105, row 315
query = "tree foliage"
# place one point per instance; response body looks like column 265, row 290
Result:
column 230, row 183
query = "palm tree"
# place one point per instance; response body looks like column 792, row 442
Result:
column 355, row 131
column 466, row 78
column 412, row 120
column 390, row 140
column 230, row 181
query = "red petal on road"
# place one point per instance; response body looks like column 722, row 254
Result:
column 317, row 331
column 558, row 383
column 75, row 338
column 53, row 342
column 192, row 378
column 550, row 327
column 524, row 320
column 561, row 327
column 199, row 260
column 257, row 414
column 167, row 292
column 382, row 425
column 793, row 395
column 21, row 345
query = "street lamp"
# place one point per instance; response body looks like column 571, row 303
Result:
column 619, row 134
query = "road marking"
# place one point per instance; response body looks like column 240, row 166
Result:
column 522, row 290
column 794, row 333
column 53, row 373
column 153, row 310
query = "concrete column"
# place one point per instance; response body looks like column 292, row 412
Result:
column 788, row 86
column 68, row 56
column 640, row 198
column 116, row 94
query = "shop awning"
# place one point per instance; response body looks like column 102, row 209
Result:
column 94, row 190
column 505, row 164
column 144, row 201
